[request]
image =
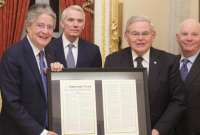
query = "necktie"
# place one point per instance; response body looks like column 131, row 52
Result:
column 43, row 72
column 139, row 62
column 70, row 57
column 184, row 69
column 44, row 79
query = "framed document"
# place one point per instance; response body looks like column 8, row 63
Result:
column 99, row 102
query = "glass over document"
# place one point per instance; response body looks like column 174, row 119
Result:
column 86, row 104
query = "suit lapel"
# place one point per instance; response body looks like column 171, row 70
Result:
column 154, row 64
column 154, row 68
column 127, row 59
column 30, row 59
column 194, row 71
column 60, row 52
column 81, row 52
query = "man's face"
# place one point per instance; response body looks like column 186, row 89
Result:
column 140, row 36
column 189, row 38
column 40, row 30
column 73, row 24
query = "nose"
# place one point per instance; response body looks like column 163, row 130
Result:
column 140, row 36
column 48, row 29
column 76, row 24
column 189, row 37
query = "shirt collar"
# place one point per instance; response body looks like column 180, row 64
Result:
column 66, row 42
column 145, row 56
column 191, row 58
column 36, row 51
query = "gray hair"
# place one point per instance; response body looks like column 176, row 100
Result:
column 72, row 7
column 134, row 19
column 38, row 9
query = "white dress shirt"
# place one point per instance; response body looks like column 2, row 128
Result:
column 66, row 42
column 191, row 59
column 36, row 52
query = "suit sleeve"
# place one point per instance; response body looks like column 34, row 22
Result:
column 176, row 105
column 50, row 55
column 10, row 83
column 111, row 61
column 97, row 61
column 107, row 62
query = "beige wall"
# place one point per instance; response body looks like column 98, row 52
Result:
column 164, row 14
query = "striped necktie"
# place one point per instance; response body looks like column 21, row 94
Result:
column 184, row 69
column 70, row 57
column 43, row 68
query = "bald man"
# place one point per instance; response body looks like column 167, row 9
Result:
column 188, row 38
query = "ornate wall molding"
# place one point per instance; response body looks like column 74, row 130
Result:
column 107, row 25
column 2, row 3
column 87, row 6
column 114, row 26
column 102, row 26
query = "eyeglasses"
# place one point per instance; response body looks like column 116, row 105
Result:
column 42, row 26
column 194, row 34
column 138, row 34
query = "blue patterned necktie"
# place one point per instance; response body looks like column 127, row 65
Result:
column 43, row 68
column 70, row 57
column 139, row 62
column 184, row 69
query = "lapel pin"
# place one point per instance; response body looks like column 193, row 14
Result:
column 155, row 62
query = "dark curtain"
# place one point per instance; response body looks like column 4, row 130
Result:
column 55, row 6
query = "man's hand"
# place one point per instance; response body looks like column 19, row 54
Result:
column 56, row 66
column 51, row 133
column 155, row 132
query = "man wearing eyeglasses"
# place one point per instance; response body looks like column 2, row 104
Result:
column 166, row 95
column 23, row 78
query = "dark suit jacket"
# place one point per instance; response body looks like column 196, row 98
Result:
column 24, row 104
column 88, row 54
column 190, row 122
column 165, row 93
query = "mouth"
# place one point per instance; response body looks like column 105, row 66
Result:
column 188, row 44
column 75, row 30
column 44, row 37
column 140, row 44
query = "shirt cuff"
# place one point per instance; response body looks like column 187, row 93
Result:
column 44, row 132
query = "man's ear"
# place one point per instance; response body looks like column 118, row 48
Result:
column 61, row 24
column 125, row 35
column 154, row 34
column 177, row 37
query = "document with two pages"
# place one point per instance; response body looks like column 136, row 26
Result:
column 98, row 102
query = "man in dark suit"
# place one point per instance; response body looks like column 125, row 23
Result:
column 23, row 79
column 83, row 54
column 165, row 94
column 189, row 62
